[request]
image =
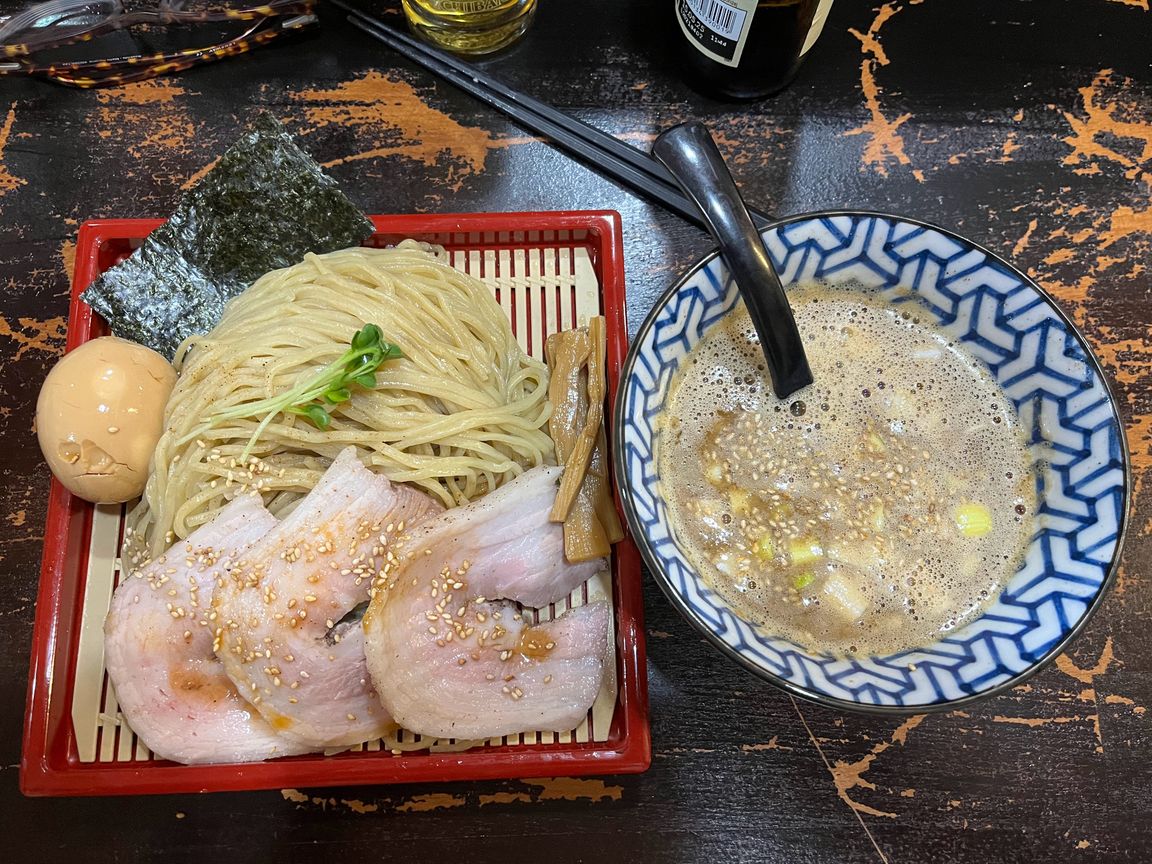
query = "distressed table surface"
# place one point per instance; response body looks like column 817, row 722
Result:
column 1025, row 125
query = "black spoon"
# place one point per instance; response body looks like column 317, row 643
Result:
column 690, row 154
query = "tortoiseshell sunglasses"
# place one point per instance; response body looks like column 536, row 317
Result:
column 100, row 43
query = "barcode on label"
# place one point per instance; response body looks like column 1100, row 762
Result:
column 716, row 28
column 720, row 17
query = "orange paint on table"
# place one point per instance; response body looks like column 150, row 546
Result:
column 505, row 798
column 199, row 175
column 1128, row 360
column 8, row 180
column 1033, row 722
column 1060, row 255
column 1086, row 676
column 1107, row 131
column 68, row 257
column 358, row 806
column 1126, row 221
column 1022, row 243
column 1139, row 431
column 885, row 143
column 773, row 744
column 850, row 775
column 575, row 789
column 1072, row 296
column 154, row 91
column 389, row 118
column 148, row 119
column 32, row 334
column 436, row 801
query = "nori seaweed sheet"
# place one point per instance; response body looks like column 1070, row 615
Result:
column 262, row 207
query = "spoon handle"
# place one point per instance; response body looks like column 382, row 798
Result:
column 690, row 154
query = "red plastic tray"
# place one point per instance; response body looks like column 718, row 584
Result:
column 50, row 763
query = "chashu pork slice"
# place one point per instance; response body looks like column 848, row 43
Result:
column 158, row 649
column 282, row 639
column 449, row 650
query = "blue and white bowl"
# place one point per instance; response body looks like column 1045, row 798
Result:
column 1045, row 368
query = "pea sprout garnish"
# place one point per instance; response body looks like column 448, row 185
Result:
column 332, row 386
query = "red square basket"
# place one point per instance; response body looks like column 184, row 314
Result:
column 549, row 271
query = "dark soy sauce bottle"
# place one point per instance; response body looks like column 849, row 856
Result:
column 746, row 49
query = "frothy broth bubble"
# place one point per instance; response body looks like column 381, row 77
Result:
column 872, row 512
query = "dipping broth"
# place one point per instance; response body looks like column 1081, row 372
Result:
column 872, row 512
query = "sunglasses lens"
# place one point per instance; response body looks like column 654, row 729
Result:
column 46, row 22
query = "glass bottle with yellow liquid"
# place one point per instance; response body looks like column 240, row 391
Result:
column 470, row 26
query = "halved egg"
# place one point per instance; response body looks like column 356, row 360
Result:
column 99, row 416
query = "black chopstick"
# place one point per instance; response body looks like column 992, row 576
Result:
column 633, row 168
column 559, row 132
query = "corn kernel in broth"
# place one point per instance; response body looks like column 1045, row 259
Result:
column 840, row 518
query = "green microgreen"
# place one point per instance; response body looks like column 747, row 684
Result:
column 331, row 386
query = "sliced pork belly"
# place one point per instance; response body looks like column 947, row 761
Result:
column 451, row 655
column 158, row 649
column 280, row 608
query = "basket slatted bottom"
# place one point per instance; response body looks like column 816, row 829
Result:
column 545, row 282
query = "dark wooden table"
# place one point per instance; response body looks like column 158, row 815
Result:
column 1025, row 125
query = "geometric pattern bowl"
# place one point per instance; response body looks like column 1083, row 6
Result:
column 1046, row 370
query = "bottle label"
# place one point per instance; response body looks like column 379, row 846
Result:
column 717, row 28
column 465, row 7
column 817, row 25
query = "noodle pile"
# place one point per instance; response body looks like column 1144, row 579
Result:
column 462, row 412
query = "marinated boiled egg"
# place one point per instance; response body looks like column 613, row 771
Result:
column 99, row 416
